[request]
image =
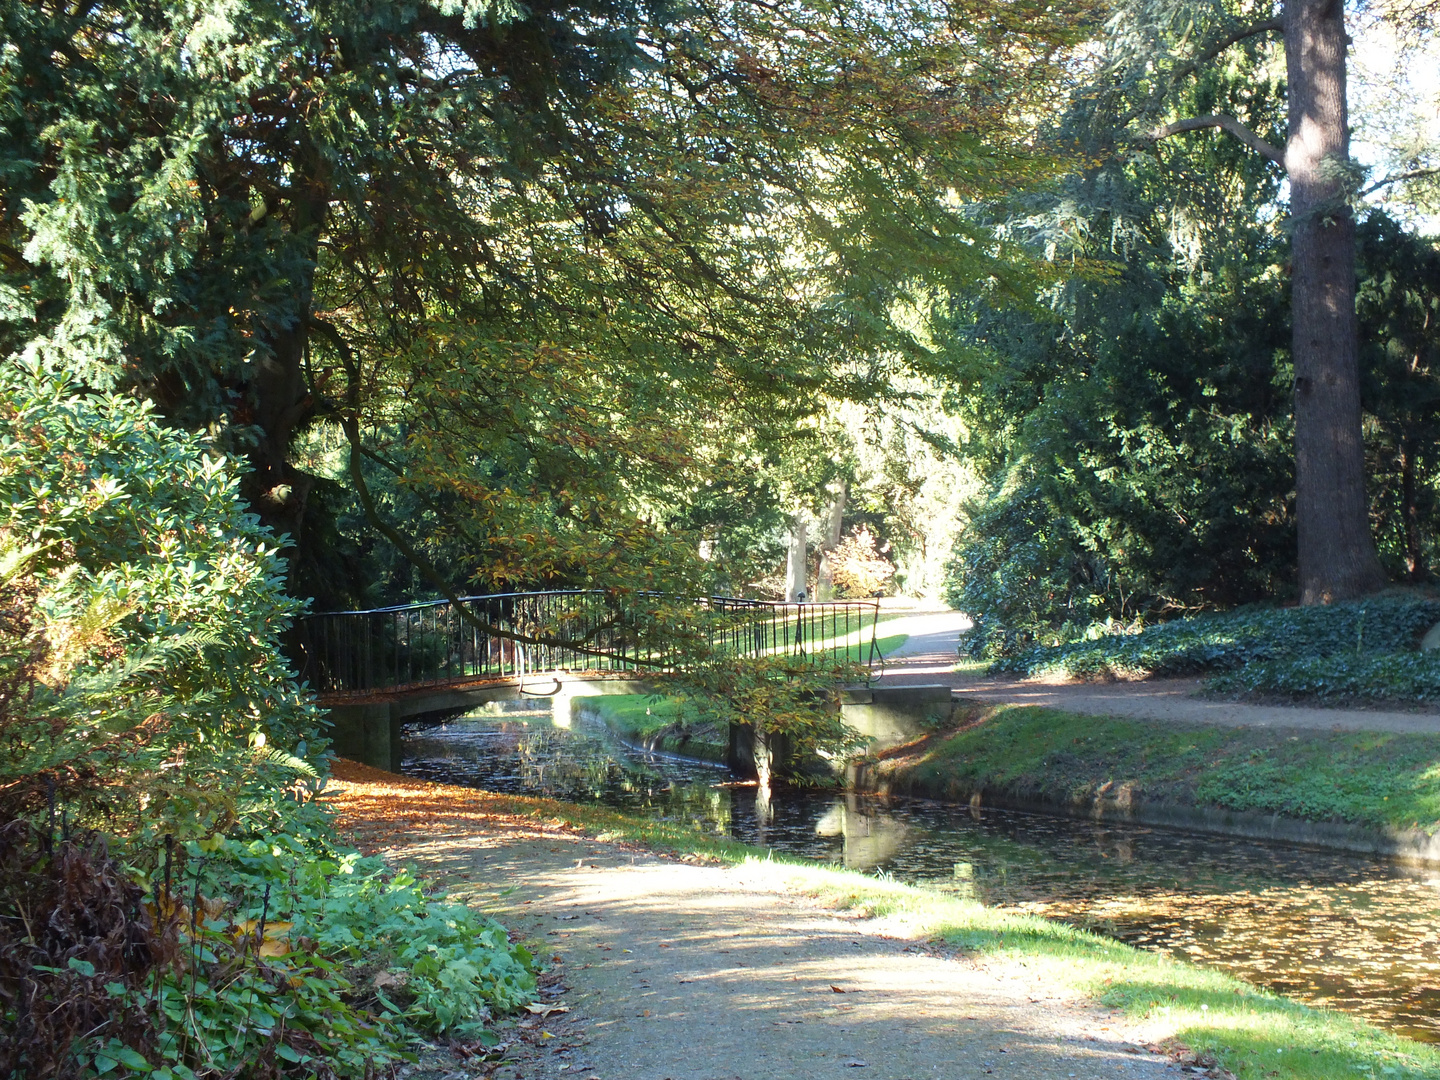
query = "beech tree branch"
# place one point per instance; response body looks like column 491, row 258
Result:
column 1227, row 124
column 350, row 425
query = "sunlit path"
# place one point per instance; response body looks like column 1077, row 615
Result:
column 680, row 972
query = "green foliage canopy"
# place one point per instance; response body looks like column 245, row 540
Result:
column 541, row 261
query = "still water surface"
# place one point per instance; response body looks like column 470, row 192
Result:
column 1333, row 930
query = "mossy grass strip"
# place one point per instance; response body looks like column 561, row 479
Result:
column 1249, row 1031
column 1368, row 778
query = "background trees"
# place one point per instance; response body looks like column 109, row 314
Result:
column 1161, row 49
column 1137, row 439
column 546, row 268
column 491, row 297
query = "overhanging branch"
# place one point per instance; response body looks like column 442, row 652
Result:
column 1171, row 80
column 350, row 424
column 1220, row 44
column 1227, row 124
column 1413, row 174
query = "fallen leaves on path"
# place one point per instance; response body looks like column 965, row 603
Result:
column 382, row 811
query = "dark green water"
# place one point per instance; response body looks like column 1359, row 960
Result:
column 1349, row 933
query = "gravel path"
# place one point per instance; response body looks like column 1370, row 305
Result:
column 689, row 972
column 929, row 656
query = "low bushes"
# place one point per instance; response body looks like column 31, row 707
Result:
column 172, row 899
column 438, row 966
column 1365, row 649
column 264, row 958
column 1376, row 676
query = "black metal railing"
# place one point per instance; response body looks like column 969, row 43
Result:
column 512, row 635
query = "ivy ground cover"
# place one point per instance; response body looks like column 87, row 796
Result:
column 1364, row 651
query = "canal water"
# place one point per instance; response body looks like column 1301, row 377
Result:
column 1349, row 933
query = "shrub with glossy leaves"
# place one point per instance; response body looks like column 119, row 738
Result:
column 145, row 606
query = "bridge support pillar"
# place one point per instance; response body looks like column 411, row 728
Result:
column 894, row 715
column 369, row 734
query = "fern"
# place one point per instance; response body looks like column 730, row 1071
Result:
column 129, row 668
column 275, row 756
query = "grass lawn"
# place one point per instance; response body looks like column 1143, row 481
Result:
column 860, row 652
column 1375, row 779
column 859, row 641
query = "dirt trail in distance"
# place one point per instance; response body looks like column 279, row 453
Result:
column 929, row 656
column 673, row 971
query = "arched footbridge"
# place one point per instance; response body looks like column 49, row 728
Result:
column 374, row 670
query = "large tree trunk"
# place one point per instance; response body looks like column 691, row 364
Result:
column 275, row 488
column 1415, row 569
column 1337, row 551
column 834, row 519
column 278, row 393
column 795, row 559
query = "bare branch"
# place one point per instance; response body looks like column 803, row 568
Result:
column 1224, row 123
column 1413, row 174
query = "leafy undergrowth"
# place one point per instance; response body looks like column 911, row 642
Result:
column 1248, row 1031
column 266, row 959
column 1360, row 650
column 437, row 966
column 1362, row 676
column 315, row 964
column 1375, row 779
